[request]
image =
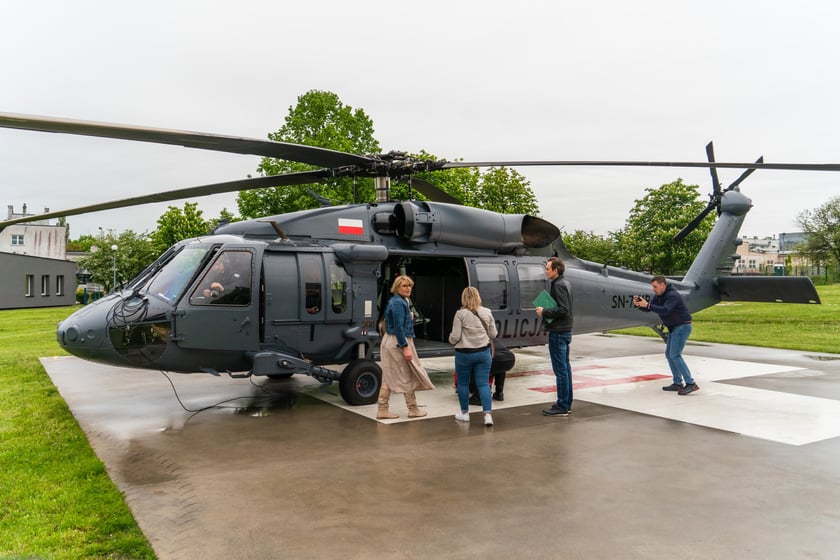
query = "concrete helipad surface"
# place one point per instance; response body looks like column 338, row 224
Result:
column 747, row 467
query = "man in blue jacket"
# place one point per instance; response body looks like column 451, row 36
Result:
column 669, row 305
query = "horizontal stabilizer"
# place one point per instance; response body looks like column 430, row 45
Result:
column 781, row 289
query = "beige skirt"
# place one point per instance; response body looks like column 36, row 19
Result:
column 400, row 375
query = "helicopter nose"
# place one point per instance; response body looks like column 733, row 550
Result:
column 85, row 334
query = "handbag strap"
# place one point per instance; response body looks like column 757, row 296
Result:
column 486, row 329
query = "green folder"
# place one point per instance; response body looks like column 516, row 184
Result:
column 545, row 301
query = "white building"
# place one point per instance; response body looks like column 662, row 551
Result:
column 35, row 239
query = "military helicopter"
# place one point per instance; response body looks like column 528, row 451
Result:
column 302, row 292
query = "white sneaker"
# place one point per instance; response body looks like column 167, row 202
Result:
column 463, row 416
column 488, row 419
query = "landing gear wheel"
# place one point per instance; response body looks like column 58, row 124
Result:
column 360, row 381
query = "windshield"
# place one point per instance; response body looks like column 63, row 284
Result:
column 171, row 280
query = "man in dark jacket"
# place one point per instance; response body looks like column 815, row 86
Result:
column 558, row 321
column 669, row 305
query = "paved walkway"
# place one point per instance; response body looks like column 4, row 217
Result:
column 745, row 468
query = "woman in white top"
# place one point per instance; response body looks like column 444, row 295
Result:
column 472, row 330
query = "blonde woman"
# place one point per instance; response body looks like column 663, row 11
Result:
column 472, row 330
column 402, row 371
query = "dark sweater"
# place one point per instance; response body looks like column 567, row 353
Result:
column 562, row 315
column 670, row 307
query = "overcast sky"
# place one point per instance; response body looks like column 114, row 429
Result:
column 489, row 80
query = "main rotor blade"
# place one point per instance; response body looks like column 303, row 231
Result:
column 710, row 154
column 312, row 155
column 594, row 163
column 432, row 192
column 693, row 223
column 301, row 178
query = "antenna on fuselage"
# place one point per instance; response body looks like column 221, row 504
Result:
column 277, row 228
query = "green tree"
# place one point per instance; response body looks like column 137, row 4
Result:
column 81, row 245
column 592, row 247
column 225, row 216
column 62, row 222
column 646, row 242
column 822, row 226
column 177, row 224
column 502, row 189
column 132, row 254
column 319, row 119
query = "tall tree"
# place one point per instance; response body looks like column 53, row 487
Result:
column 505, row 190
column 177, row 224
column 646, row 242
column 822, row 225
column 132, row 254
column 319, row 119
column 592, row 247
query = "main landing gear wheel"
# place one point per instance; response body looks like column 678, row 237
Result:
column 360, row 381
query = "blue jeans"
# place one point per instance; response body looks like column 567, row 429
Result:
column 677, row 337
column 477, row 366
column 558, row 350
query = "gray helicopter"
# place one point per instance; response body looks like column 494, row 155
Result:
column 302, row 292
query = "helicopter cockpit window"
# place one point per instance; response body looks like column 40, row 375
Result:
column 492, row 283
column 173, row 276
column 226, row 282
column 338, row 288
column 312, row 280
column 531, row 283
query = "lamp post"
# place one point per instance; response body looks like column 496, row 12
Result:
column 114, row 285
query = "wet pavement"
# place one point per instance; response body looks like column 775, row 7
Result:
column 745, row 468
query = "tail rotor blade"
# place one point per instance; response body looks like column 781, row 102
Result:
column 683, row 233
column 744, row 175
column 710, row 154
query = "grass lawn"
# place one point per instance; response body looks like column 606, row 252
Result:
column 57, row 501
column 813, row 328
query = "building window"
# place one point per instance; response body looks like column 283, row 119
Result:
column 45, row 285
column 17, row 239
column 30, row 285
column 59, row 285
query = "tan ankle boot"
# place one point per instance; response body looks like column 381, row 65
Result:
column 413, row 410
column 383, row 413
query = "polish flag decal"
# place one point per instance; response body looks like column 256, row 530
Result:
column 350, row 227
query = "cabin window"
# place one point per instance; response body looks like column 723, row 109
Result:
column 531, row 282
column 173, row 276
column 338, row 288
column 45, row 285
column 310, row 266
column 493, row 285
column 30, row 285
column 226, row 282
